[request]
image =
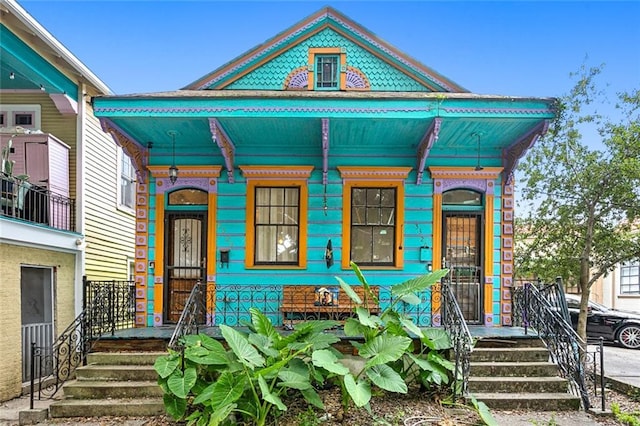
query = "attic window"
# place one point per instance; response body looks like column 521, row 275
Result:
column 327, row 72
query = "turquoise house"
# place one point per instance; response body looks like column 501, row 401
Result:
column 321, row 146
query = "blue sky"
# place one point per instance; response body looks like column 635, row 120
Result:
column 506, row 48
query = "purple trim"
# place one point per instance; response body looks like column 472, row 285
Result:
column 134, row 149
column 515, row 151
column 527, row 111
column 218, row 110
column 425, row 146
column 446, row 184
column 227, row 147
column 164, row 185
column 325, row 150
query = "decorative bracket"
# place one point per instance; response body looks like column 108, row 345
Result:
column 225, row 144
column 139, row 155
column 514, row 152
column 425, row 146
column 325, row 150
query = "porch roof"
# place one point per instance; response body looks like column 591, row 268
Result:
column 225, row 127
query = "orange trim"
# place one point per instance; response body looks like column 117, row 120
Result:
column 158, row 302
column 398, row 184
column 491, row 173
column 375, row 173
column 437, row 232
column 211, row 236
column 186, row 171
column 271, row 176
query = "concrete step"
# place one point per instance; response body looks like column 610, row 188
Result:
column 518, row 384
column 117, row 372
column 89, row 389
column 513, row 369
column 530, row 401
column 123, row 358
column 509, row 354
column 141, row 407
column 494, row 342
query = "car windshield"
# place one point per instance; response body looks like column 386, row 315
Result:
column 598, row 306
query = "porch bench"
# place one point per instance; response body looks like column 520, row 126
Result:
column 305, row 302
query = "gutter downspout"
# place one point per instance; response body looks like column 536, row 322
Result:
column 80, row 199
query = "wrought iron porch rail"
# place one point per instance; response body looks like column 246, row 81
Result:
column 108, row 306
column 34, row 204
column 532, row 309
column 454, row 323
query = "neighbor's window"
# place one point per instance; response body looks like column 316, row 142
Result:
column 373, row 226
column 630, row 278
column 127, row 182
column 277, row 229
column 327, row 72
column 23, row 119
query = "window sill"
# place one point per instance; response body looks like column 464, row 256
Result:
column 127, row 210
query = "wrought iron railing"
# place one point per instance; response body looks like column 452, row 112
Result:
column 108, row 306
column 35, row 204
column 454, row 323
column 532, row 310
column 192, row 316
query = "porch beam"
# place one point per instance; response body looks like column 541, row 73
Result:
column 425, row 146
column 226, row 145
column 138, row 153
column 514, row 152
column 325, row 151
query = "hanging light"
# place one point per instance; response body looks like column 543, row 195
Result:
column 173, row 170
column 478, row 166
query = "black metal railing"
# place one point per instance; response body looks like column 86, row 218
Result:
column 595, row 356
column 36, row 204
column 532, row 310
column 108, row 306
column 454, row 323
column 192, row 316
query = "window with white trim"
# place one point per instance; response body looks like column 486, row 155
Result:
column 127, row 181
column 630, row 277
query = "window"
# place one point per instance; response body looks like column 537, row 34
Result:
column 277, row 232
column 327, row 72
column 373, row 216
column 23, row 119
column 464, row 197
column 1, row 120
column 127, row 186
column 373, row 213
column 276, row 222
column 12, row 115
column 630, row 278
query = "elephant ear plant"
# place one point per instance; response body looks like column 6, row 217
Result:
column 391, row 360
column 206, row 384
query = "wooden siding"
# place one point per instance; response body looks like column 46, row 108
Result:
column 109, row 231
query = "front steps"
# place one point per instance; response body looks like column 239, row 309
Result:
column 112, row 384
column 518, row 378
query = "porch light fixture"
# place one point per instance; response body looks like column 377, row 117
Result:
column 478, row 166
column 12, row 76
column 173, row 170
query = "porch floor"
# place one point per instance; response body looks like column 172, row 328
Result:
column 165, row 333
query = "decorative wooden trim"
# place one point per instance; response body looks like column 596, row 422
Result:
column 211, row 236
column 276, row 172
column 346, row 217
column 437, row 231
column 427, row 142
column 226, row 145
column 158, row 302
column 160, row 171
column 491, row 173
column 139, row 155
column 488, row 256
column 512, row 154
column 374, row 173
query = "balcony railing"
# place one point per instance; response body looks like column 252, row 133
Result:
column 34, row 204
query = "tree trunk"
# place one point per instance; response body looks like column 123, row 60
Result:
column 584, row 298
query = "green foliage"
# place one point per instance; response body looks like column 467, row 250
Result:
column 391, row 360
column 582, row 199
column 630, row 419
column 484, row 412
column 205, row 383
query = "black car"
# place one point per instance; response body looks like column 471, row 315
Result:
column 613, row 325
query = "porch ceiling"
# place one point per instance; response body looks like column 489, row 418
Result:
column 278, row 123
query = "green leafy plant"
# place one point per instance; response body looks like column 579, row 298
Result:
column 390, row 358
column 207, row 384
column 630, row 419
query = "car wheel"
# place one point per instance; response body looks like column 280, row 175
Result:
column 629, row 336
